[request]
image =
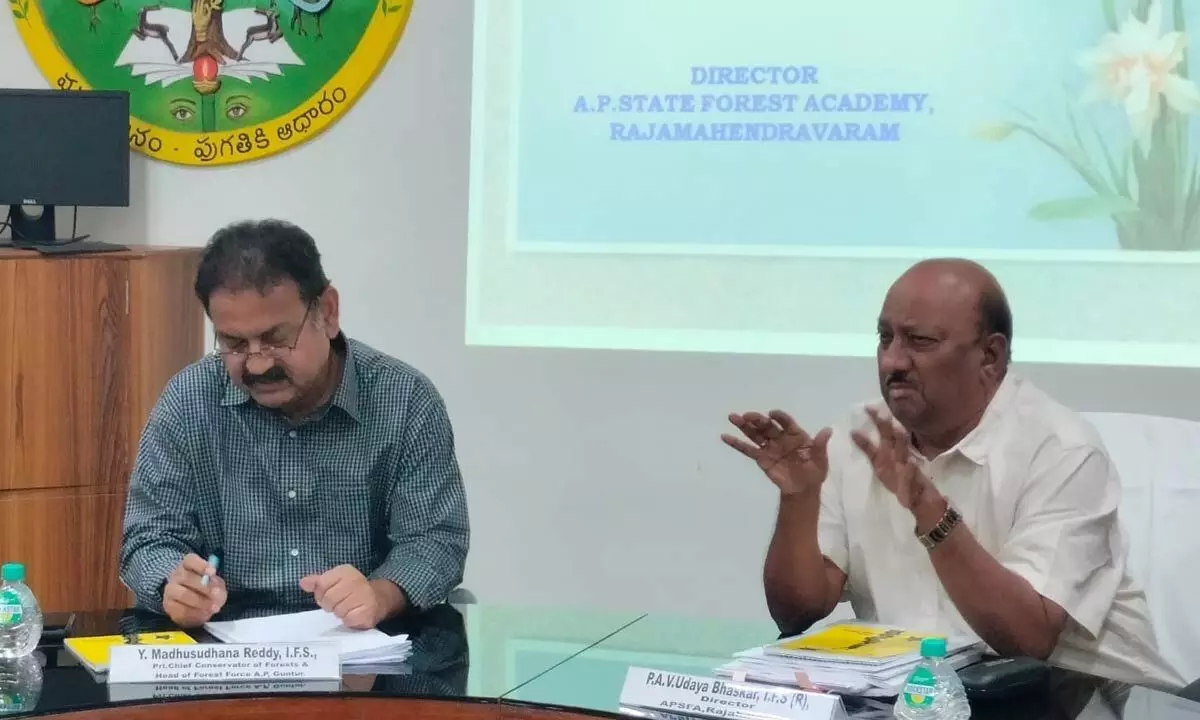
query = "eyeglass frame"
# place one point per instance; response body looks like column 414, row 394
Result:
column 274, row 352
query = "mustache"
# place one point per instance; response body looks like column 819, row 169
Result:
column 274, row 375
column 898, row 379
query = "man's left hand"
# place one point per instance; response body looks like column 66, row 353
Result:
column 360, row 603
column 892, row 460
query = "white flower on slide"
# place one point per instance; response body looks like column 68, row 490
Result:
column 1136, row 67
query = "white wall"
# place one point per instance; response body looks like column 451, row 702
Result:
column 594, row 478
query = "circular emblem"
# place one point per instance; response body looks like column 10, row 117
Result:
column 214, row 82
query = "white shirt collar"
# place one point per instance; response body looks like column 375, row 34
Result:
column 976, row 444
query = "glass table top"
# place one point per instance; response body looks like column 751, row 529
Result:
column 459, row 651
column 512, row 645
column 593, row 678
column 564, row 657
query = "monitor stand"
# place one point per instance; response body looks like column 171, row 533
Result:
column 31, row 232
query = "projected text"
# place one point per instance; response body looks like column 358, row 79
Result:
column 816, row 107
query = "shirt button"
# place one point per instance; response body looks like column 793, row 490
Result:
column 291, row 433
column 291, row 493
column 295, row 552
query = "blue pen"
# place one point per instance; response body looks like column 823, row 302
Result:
column 214, row 561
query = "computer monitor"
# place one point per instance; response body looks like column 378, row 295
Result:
column 61, row 148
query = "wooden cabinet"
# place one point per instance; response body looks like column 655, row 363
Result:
column 87, row 343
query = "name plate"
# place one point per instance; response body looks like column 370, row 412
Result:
column 219, row 663
column 676, row 693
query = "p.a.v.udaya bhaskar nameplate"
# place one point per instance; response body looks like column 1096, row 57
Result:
column 679, row 694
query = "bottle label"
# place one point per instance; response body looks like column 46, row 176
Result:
column 921, row 688
column 10, row 607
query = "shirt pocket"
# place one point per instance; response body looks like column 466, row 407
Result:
column 347, row 504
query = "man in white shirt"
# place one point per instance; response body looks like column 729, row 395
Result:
column 984, row 509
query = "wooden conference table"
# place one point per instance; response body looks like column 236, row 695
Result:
column 491, row 662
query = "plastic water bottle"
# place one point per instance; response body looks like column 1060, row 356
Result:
column 21, row 684
column 20, row 615
column 933, row 690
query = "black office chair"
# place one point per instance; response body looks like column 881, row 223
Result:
column 1191, row 692
column 461, row 596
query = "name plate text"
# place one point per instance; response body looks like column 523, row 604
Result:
column 715, row 698
column 218, row 663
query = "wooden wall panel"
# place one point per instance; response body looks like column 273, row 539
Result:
column 166, row 326
column 87, row 343
column 63, row 336
column 69, row 541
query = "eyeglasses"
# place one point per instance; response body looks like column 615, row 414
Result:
column 240, row 350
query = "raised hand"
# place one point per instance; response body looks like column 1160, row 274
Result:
column 794, row 461
column 892, row 460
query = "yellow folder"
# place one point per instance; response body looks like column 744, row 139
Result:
column 93, row 651
column 853, row 640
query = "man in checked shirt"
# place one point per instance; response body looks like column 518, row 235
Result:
column 317, row 470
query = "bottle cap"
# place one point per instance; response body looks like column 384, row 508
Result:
column 933, row 647
column 13, row 572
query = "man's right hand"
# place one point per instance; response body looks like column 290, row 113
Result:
column 794, row 461
column 186, row 601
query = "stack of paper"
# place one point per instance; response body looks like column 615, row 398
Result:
column 855, row 658
column 357, row 647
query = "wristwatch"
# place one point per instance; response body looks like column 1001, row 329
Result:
column 942, row 530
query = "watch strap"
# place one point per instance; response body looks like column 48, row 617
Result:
column 950, row 520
